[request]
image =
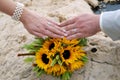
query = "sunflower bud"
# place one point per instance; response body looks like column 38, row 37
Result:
column 57, row 57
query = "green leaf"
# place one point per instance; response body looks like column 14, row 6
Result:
column 66, row 76
column 82, row 42
column 39, row 41
column 35, row 45
column 64, row 45
column 30, row 48
column 29, row 59
column 36, row 69
column 53, row 62
column 40, row 73
column 60, row 62
column 84, row 59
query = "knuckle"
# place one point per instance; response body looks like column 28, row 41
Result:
column 38, row 25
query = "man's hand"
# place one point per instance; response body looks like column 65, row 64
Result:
column 84, row 25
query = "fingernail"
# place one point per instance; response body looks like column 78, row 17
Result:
column 58, row 23
column 44, row 37
column 64, row 30
column 65, row 34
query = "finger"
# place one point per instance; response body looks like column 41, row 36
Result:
column 51, row 34
column 48, row 31
column 53, row 22
column 38, row 29
column 68, row 22
column 55, row 29
column 76, row 36
column 69, row 27
column 56, row 26
column 73, row 31
column 39, row 35
column 38, row 32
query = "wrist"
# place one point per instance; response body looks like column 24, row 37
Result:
column 97, row 22
column 24, row 15
column 18, row 11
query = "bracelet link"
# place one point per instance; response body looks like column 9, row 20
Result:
column 18, row 11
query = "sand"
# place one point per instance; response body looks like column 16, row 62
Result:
column 103, row 64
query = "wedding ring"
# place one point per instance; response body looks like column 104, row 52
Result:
column 49, row 24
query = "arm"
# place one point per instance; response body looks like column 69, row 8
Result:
column 84, row 25
column 33, row 22
column 110, row 24
column 87, row 25
column 7, row 6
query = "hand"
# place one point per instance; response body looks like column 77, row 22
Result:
column 81, row 26
column 40, row 26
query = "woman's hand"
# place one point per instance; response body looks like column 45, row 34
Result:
column 40, row 26
column 84, row 25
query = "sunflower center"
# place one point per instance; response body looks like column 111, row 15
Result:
column 45, row 59
column 66, row 54
column 51, row 46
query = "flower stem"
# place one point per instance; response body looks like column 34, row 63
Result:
column 26, row 54
column 34, row 64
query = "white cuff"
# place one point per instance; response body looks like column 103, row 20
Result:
column 109, row 24
column 101, row 22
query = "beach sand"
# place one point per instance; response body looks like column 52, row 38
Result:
column 104, row 64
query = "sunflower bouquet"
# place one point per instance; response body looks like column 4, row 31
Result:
column 57, row 57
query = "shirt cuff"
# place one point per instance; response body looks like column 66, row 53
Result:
column 101, row 22
column 107, row 25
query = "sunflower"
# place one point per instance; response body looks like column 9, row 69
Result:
column 79, row 52
column 73, row 42
column 56, row 70
column 58, row 57
column 68, row 55
column 43, row 59
column 52, row 45
column 76, row 65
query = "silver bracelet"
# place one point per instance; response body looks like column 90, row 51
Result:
column 18, row 11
